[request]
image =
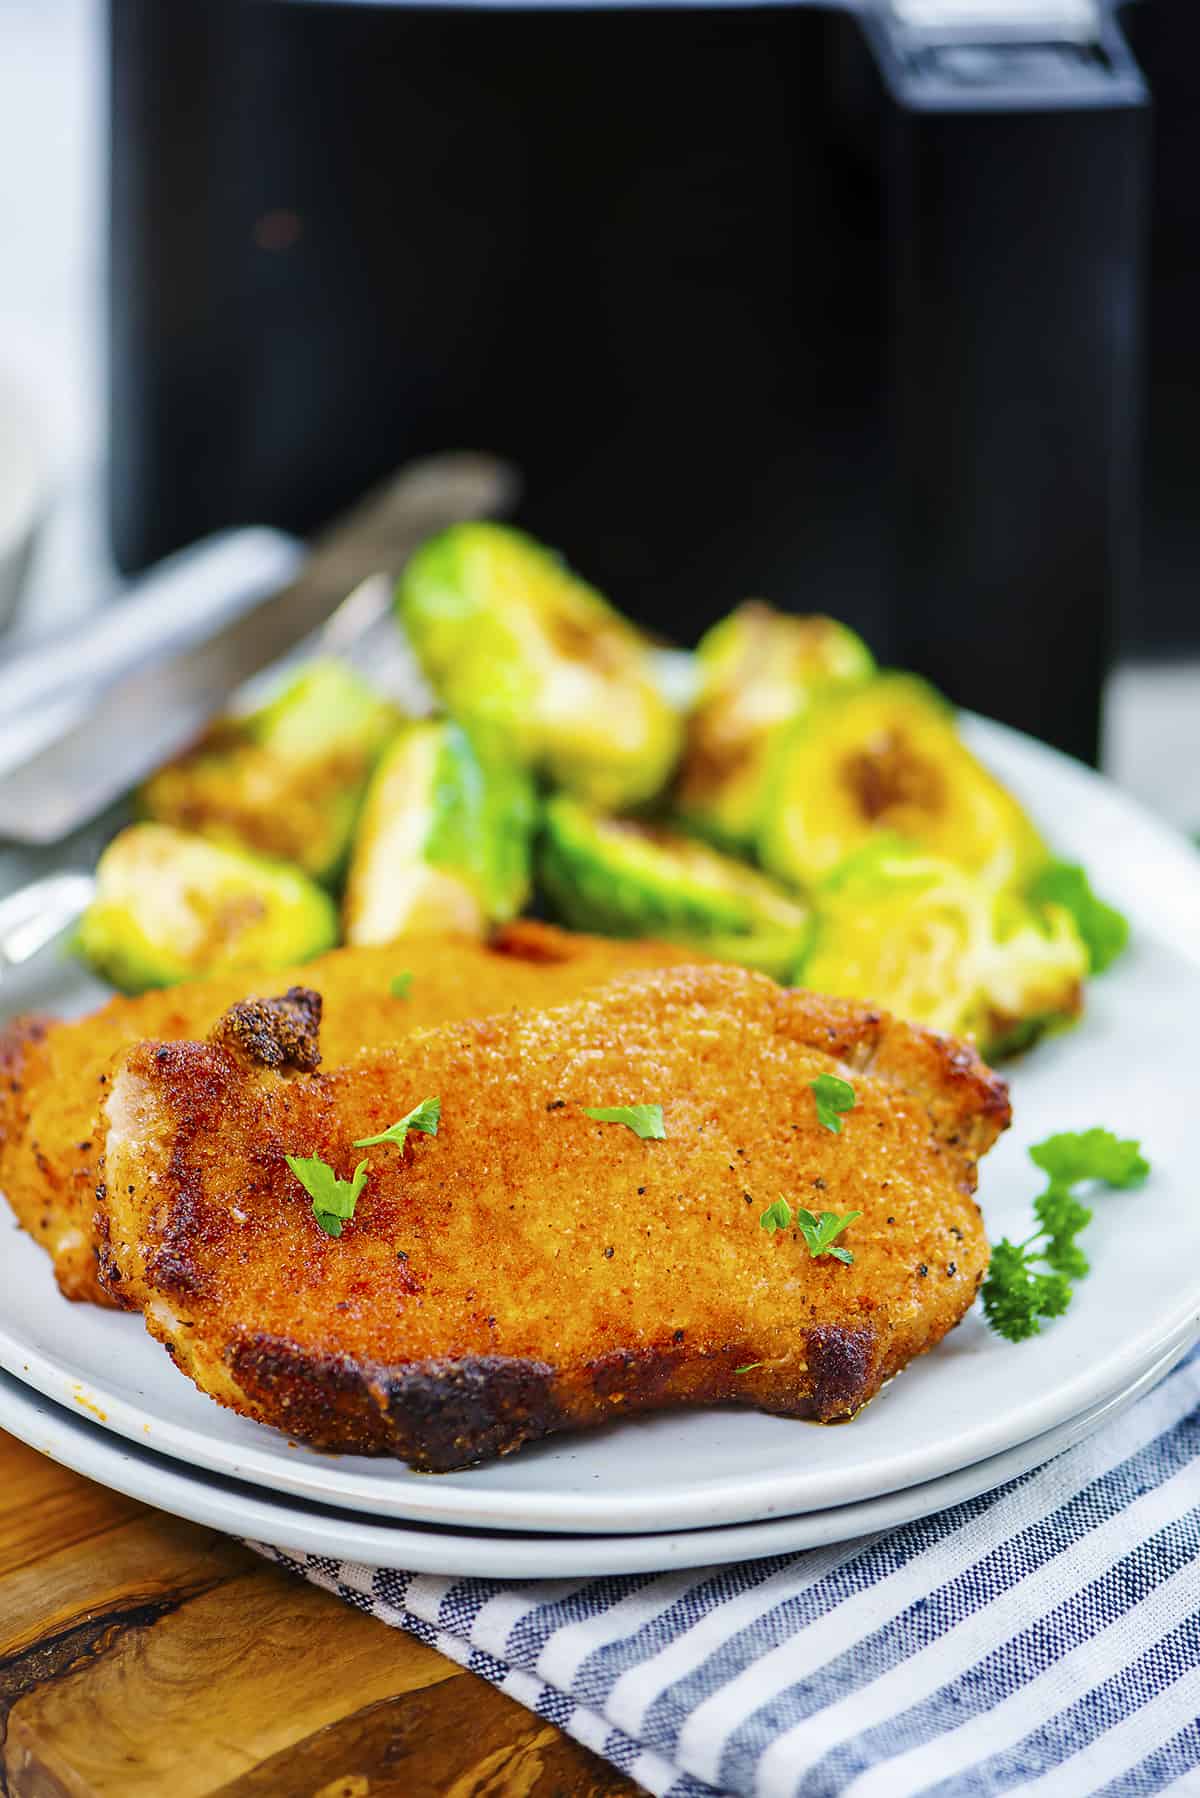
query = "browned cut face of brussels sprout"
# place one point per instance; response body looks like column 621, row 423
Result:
column 623, row 877
column 286, row 780
column 934, row 944
column 172, row 907
column 444, row 839
column 886, row 758
column 758, row 670
column 515, row 644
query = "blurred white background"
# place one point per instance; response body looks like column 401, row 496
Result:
column 52, row 208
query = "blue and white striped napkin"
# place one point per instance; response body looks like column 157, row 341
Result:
column 1043, row 1638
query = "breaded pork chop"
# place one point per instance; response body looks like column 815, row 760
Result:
column 50, row 1071
column 529, row 1269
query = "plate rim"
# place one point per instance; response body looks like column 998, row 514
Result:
column 734, row 1498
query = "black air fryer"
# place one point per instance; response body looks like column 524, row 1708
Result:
column 837, row 305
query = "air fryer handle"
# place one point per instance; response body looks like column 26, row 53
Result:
column 1017, row 193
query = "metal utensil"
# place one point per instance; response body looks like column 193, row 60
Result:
column 181, row 600
column 34, row 915
column 150, row 714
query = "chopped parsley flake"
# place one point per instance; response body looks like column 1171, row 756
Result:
column 401, row 986
column 832, row 1096
column 818, row 1231
column 426, row 1116
column 776, row 1217
column 333, row 1199
column 644, row 1120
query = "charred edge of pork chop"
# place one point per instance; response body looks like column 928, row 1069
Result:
column 549, row 946
column 275, row 1033
column 443, row 1414
column 439, row 1416
column 527, row 939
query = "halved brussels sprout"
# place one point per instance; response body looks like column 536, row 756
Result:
column 1103, row 928
column 886, row 757
column 758, row 670
column 172, row 907
column 510, row 639
column 443, row 842
column 622, row 877
column 286, row 780
column 933, row 944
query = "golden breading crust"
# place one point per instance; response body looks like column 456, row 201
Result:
column 50, row 1070
column 529, row 1269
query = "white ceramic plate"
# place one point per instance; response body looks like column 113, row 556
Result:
column 302, row 1528
column 1131, row 1065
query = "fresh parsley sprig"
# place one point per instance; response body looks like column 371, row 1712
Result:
column 426, row 1116
column 1030, row 1280
column 817, row 1231
column 645, row 1121
column 333, row 1199
column 777, row 1216
column 832, row 1096
column 1076, row 1155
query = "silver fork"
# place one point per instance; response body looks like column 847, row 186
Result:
column 33, row 916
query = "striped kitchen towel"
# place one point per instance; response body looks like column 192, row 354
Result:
column 1041, row 1639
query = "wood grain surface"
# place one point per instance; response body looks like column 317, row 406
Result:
column 141, row 1657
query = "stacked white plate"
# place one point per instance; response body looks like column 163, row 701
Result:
column 689, row 1490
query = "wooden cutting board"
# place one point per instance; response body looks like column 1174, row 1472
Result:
column 141, row 1656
